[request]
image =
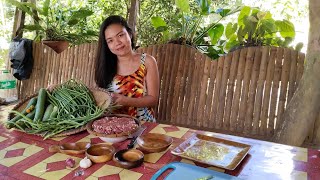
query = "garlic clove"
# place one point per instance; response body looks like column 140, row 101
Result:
column 85, row 163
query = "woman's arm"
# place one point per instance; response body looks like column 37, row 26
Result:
column 152, row 86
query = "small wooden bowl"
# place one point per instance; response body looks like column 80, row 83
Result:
column 100, row 153
column 153, row 142
column 128, row 158
column 70, row 148
column 113, row 138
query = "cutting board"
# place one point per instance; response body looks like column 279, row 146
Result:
column 191, row 172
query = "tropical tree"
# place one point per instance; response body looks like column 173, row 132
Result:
column 303, row 109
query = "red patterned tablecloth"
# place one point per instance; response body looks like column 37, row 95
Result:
column 24, row 156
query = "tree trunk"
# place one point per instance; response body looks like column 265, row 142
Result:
column 302, row 110
column 316, row 133
column 133, row 14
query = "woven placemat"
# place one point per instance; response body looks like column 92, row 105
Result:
column 102, row 97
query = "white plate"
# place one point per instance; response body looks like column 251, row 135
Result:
column 114, row 140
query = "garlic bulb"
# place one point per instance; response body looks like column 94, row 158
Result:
column 85, row 163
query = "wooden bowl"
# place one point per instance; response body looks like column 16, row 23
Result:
column 153, row 142
column 71, row 148
column 113, row 138
column 128, row 158
column 100, row 153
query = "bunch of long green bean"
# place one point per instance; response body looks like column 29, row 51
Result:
column 76, row 107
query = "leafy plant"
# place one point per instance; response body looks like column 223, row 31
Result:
column 258, row 28
column 52, row 22
column 190, row 30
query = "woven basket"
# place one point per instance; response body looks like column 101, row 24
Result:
column 101, row 96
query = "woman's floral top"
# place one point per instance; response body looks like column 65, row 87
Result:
column 133, row 86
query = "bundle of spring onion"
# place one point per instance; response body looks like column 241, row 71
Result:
column 70, row 106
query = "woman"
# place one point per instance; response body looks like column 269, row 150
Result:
column 132, row 77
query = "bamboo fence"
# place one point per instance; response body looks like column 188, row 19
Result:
column 242, row 93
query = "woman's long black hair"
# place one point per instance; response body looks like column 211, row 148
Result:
column 106, row 61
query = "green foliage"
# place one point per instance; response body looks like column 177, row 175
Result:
column 5, row 31
column 191, row 22
column 187, row 27
column 53, row 22
column 146, row 33
column 258, row 28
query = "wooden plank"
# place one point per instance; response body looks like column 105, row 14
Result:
column 260, row 92
column 172, row 80
column 49, row 68
column 165, row 80
column 92, row 60
column 249, row 123
column 237, row 94
column 66, row 64
column 275, row 90
column 292, row 75
column 211, row 87
column 71, row 64
column 215, row 104
column 231, row 89
column 155, row 55
column 223, row 87
column 284, row 84
column 203, row 93
column 245, row 88
column 198, row 75
column 39, row 69
column 177, row 100
column 88, row 69
column 79, row 55
column 56, row 67
column 183, row 86
column 265, row 124
column 161, row 63
column 61, row 59
column 45, row 69
column 160, row 68
column 189, row 89
column 77, row 63
column 85, row 59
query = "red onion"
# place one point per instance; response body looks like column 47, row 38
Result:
column 70, row 162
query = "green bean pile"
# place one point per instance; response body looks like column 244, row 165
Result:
column 76, row 107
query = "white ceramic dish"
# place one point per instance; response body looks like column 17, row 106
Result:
column 114, row 139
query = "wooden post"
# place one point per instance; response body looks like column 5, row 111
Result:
column 18, row 22
column 133, row 13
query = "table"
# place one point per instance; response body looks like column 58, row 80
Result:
column 24, row 156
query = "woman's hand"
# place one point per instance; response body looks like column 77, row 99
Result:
column 119, row 99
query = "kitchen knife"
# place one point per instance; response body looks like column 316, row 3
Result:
column 134, row 136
